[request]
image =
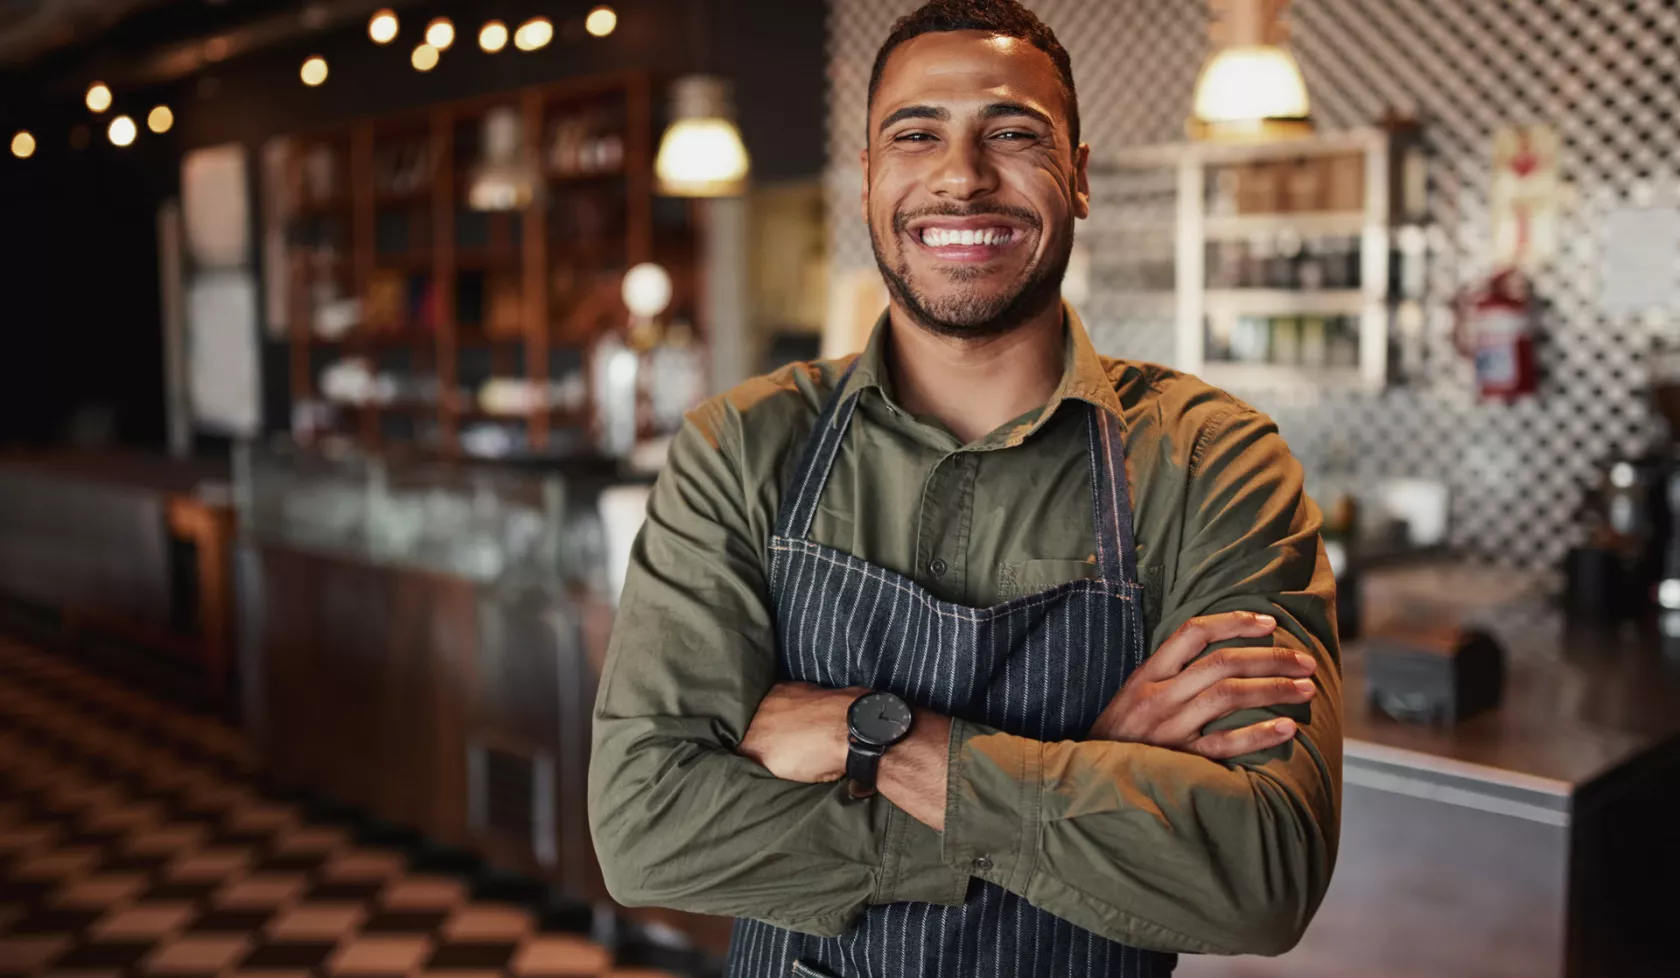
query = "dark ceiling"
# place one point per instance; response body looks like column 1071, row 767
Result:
column 56, row 46
column 32, row 28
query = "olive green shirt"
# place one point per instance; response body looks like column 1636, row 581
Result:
column 1144, row 845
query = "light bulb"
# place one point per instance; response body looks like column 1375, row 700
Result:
column 601, row 21
column 646, row 290
column 382, row 27
column 23, row 145
column 314, row 71
column 534, row 34
column 122, row 130
column 493, row 36
column 440, row 33
column 99, row 97
column 160, row 120
column 424, row 58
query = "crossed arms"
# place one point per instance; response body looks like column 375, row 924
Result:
column 1188, row 820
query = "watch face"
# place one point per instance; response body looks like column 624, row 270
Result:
column 881, row 719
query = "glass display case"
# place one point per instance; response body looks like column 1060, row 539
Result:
column 485, row 524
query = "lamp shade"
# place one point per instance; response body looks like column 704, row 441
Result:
column 1251, row 90
column 701, row 154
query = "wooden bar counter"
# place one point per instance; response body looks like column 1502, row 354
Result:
column 423, row 645
column 1535, row 840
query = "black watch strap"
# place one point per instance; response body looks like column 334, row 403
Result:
column 862, row 763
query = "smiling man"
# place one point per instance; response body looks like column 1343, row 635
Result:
column 978, row 653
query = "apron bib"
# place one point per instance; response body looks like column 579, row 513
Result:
column 1041, row 666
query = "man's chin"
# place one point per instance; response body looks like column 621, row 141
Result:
column 962, row 316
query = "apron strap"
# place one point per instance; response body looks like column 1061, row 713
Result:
column 1111, row 497
column 799, row 502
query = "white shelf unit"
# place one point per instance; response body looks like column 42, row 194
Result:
column 1194, row 228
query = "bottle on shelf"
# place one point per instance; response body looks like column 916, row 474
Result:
column 1216, row 340
column 1282, row 271
column 1258, row 262
column 1342, row 343
column 1251, row 340
column 1315, row 354
column 1286, row 341
column 1310, row 268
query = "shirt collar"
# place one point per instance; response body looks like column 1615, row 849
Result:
column 1084, row 377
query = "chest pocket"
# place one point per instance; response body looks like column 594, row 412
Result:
column 1032, row 576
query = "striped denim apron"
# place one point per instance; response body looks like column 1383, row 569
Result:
column 1040, row 666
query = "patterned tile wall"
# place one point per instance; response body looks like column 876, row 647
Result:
column 1603, row 73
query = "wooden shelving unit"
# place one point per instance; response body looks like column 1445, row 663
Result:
column 391, row 268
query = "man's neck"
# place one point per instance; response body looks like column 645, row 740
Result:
column 972, row 386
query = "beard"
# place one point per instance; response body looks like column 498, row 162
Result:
column 966, row 312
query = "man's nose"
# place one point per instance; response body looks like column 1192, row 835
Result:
column 962, row 172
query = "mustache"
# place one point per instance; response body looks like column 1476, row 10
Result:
column 902, row 219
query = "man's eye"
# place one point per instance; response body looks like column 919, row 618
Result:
column 1016, row 134
column 913, row 137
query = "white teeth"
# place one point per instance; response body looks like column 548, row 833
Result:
column 948, row 237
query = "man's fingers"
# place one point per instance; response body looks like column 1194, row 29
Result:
column 1230, row 695
column 1235, row 663
column 1227, row 744
column 1198, row 633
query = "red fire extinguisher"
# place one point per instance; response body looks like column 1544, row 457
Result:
column 1495, row 327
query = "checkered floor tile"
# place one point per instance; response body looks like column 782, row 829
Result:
column 135, row 840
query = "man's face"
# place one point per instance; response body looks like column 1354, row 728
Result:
column 970, row 185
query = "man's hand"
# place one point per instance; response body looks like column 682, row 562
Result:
column 1170, row 698
column 799, row 732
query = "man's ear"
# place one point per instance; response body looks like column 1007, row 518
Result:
column 863, row 161
column 1082, row 181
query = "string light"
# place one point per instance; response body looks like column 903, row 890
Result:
column 23, row 145
column 440, row 33
column 534, row 34
column 314, row 71
column 601, row 21
column 493, row 36
column 425, row 58
column 122, row 130
column 161, row 120
column 382, row 27
column 99, row 97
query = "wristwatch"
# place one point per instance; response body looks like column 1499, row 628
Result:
column 875, row 722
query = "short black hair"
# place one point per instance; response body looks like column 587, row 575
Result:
column 1001, row 18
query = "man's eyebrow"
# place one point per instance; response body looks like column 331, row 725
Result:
column 1000, row 109
column 916, row 112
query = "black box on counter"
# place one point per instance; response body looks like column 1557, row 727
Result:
column 1433, row 675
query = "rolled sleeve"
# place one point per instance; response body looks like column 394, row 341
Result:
column 992, row 804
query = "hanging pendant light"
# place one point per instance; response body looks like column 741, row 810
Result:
column 1251, row 87
column 701, row 154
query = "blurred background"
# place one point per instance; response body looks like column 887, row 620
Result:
column 344, row 339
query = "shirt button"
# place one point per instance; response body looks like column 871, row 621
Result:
column 938, row 567
column 983, row 863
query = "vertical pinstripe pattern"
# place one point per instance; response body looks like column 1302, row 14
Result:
column 1042, row 666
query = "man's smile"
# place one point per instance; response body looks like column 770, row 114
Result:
column 966, row 240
